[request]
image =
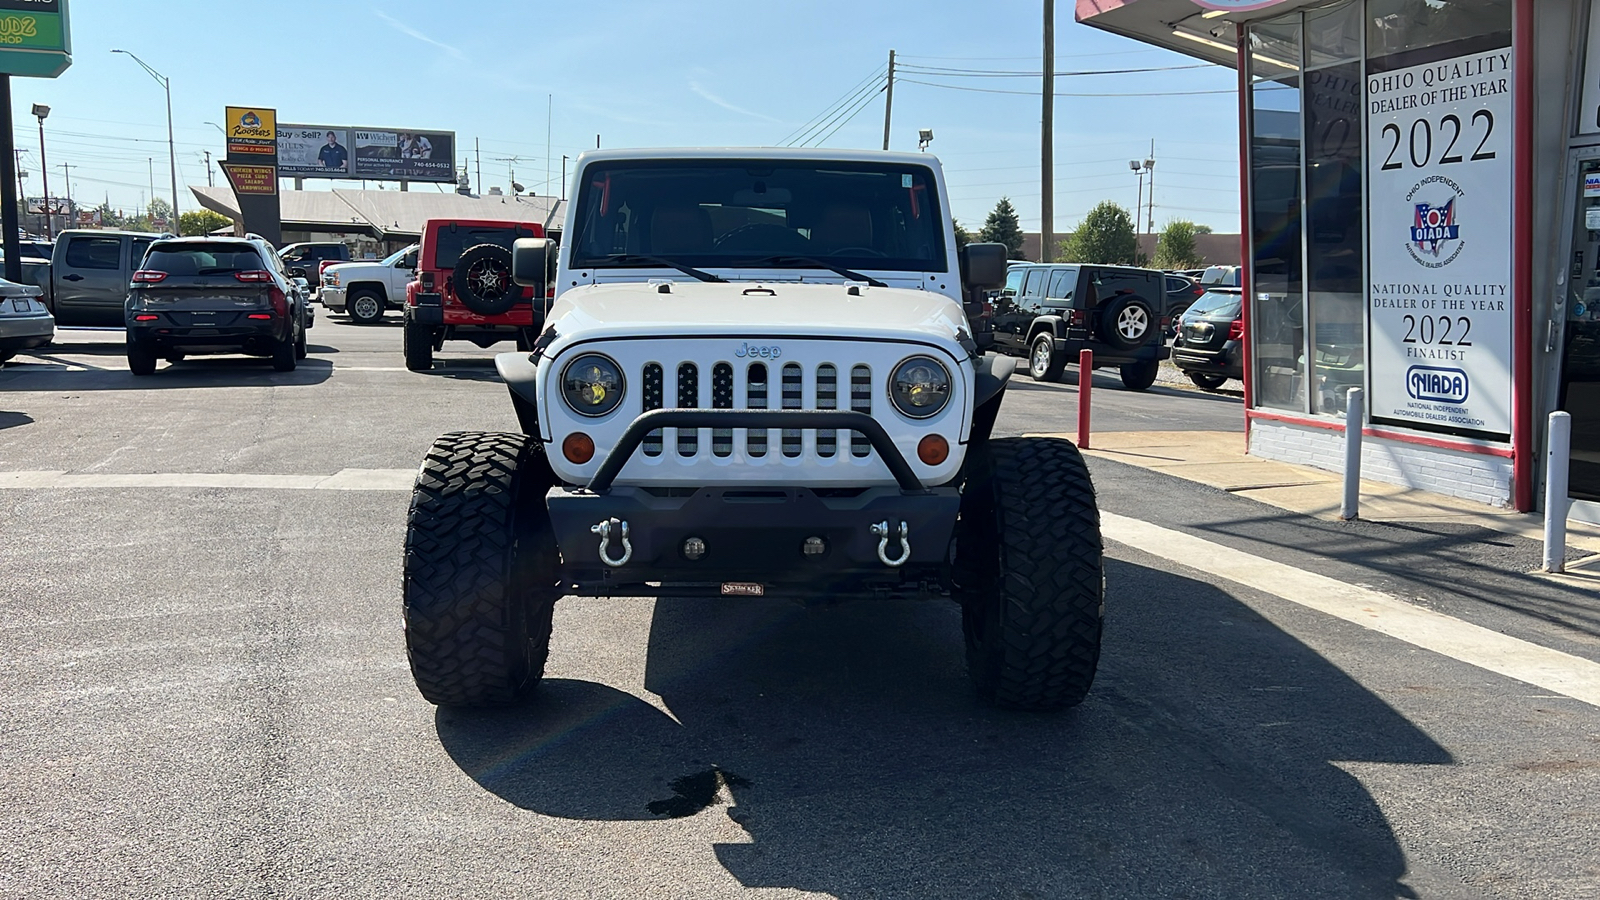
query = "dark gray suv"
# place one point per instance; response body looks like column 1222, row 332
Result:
column 1047, row 313
column 208, row 295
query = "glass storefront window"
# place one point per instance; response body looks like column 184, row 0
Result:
column 1278, row 314
column 1335, row 250
column 1402, row 33
column 1580, row 371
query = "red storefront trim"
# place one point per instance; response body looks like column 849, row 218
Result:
column 1522, row 443
column 1246, row 260
column 1399, row 437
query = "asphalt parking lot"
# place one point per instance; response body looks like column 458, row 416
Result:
column 206, row 692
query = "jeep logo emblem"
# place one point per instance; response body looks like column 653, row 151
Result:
column 753, row 352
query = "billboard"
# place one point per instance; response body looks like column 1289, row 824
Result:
column 251, row 130
column 373, row 154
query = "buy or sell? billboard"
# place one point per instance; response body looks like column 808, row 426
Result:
column 374, row 154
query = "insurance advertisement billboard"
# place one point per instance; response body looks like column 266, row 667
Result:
column 372, row 154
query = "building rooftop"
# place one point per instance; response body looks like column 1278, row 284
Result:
column 386, row 215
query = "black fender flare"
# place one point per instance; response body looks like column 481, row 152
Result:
column 521, row 377
column 993, row 371
column 1056, row 325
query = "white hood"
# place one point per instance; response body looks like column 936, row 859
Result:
column 755, row 309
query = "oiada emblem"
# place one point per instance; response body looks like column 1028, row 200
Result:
column 1435, row 232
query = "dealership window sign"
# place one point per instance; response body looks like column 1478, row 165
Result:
column 1439, row 159
column 34, row 38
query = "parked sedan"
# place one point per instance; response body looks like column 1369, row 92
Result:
column 1209, row 344
column 25, row 324
column 214, row 295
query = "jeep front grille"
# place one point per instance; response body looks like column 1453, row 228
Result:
column 797, row 389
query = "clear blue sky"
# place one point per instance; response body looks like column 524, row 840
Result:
column 663, row 73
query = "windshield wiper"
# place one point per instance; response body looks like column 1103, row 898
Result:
column 656, row 260
column 810, row 261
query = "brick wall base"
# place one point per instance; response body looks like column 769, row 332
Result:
column 1470, row 476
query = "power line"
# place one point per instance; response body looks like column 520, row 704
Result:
column 1013, row 73
column 954, row 87
column 867, row 87
column 865, row 102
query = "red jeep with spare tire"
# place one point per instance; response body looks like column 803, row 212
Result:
column 463, row 290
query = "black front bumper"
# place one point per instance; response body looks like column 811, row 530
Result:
column 753, row 535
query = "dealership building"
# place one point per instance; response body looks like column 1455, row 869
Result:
column 1420, row 201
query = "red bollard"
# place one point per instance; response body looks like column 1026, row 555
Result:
column 1085, row 385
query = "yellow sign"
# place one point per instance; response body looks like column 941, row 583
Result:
column 252, row 129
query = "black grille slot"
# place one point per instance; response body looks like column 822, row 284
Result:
column 722, row 398
column 791, row 400
column 756, row 398
column 860, row 401
column 688, row 398
column 827, row 398
column 652, row 379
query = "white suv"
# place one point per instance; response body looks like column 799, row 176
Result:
column 366, row 289
column 757, row 379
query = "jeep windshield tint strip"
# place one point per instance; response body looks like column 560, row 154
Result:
column 452, row 242
column 734, row 214
column 203, row 259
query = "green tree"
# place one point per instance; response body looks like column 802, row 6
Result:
column 1002, row 227
column 963, row 236
column 1175, row 248
column 1104, row 236
column 201, row 222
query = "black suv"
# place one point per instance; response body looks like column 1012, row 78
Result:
column 1049, row 312
column 1210, row 339
column 206, row 295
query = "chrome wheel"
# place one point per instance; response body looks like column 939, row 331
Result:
column 1133, row 323
column 366, row 307
column 1039, row 363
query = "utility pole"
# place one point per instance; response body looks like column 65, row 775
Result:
column 66, row 169
column 210, row 181
column 152, row 166
column 22, row 194
column 477, row 154
column 1151, row 165
column 39, row 112
column 549, row 116
column 1047, row 140
column 888, row 102
column 563, row 177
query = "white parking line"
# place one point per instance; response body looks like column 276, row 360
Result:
column 1561, row 673
column 343, row 480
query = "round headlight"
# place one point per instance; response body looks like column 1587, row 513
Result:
column 920, row 387
column 592, row 385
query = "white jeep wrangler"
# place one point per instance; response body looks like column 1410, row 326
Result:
column 757, row 379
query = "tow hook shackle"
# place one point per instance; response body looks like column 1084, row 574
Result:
column 882, row 531
column 605, row 530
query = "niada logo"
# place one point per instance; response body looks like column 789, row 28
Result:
column 1435, row 232
column 748, row 350
column 1437, row 385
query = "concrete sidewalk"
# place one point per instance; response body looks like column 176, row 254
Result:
column 1218, row 459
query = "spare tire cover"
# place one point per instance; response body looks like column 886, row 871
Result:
column 482, row 280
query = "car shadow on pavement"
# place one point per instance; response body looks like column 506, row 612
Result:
column 464, row 369
column 859, row 763
column 13, row 419
column 194, row 372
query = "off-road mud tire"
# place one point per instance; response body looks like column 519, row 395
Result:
column 417, row 341
column 1045, row 363
column 141, row 357
column 470, row 291
column 1138, row 376
column 1029, row 573
column 481, row 570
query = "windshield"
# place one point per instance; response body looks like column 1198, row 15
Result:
column 203, row 259
column 1217, row 304
column 395, row 257
column 714, row 213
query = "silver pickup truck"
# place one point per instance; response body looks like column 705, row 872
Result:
column 86, row 280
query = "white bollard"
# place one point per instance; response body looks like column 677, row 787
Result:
column 1355, row 418
column 1558, row 456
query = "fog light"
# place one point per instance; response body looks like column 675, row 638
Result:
column 578, row 448
column 693, row 549
column 933, row 450
column 814, row 547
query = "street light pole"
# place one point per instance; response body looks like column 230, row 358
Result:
column 40, row 111
column 172, row 146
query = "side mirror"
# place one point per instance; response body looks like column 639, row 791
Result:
column 983, row 266
column 301, row 283
column 530, row 263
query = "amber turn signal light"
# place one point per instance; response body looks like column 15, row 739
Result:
column 578, row 448
column 933, row 450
